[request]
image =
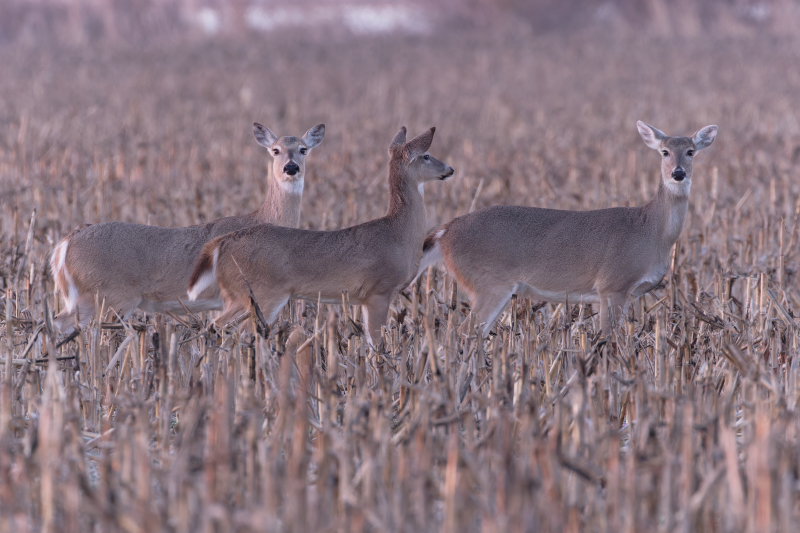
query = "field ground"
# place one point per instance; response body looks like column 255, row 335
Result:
column 690, row 423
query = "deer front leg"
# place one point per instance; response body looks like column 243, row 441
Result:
column 375, row 310
column 612, row 309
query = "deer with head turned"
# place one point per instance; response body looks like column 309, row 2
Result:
column 602, row 257
column 370, row 261
column 147, row 267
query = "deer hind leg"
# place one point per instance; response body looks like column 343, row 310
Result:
column 375, row 310
column 124, row 306
column 270, row 306
column 229, row 314
column 488, row 306
column 65, row 320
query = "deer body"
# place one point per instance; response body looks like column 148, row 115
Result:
column 601, row 257
column 147, row 267
column 370, row 261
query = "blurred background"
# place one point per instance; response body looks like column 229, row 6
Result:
column 96, row 21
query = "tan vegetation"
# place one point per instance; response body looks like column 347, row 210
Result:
column 688, row 424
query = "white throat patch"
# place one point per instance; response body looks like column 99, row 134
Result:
column 679, row 188
column 292, row 186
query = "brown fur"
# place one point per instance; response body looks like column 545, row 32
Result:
column 603, row 256
column 370, row 261
column 134, row 265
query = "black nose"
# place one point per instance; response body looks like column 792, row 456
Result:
column 678, row 174
column 291, row 169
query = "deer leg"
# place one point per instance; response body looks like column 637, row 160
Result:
column 270, row 307
column 270, row 303
column 84, row 307
column 488, row 305
column 375, row 310
column 65, row 322
column 124, row 307
column 232, row 310
column 612, row 309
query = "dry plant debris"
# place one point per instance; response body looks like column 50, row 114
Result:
column 689, row 422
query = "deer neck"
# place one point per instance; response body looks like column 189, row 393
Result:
column 282, row 204
column 670, row 209
column 406, row 205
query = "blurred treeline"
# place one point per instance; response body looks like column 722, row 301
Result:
column 34, row 22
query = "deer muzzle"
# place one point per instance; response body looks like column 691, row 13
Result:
column 678, row 174
column 291, row 168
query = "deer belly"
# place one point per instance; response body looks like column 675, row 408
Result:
column 527, row 291
column 324, row 299
column 195, row 306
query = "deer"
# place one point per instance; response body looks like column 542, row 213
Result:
column 604, row 257
column 370, row 261
column 135, row 266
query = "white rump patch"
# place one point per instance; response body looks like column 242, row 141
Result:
column 292, row 186
column 208, row 279
column 58, row 267
column 433, row 256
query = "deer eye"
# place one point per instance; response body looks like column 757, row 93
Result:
column 426, row 157
column 303, row 151
column 690, row 153
column 664, row 153
column 275, row 151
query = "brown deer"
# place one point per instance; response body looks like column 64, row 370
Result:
column 147, row 267
column 601, row 257
column 370, row 261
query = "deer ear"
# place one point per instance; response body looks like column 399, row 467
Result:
column 704, row 137
column 264, row 137
column 652, row 136
column 399, row 137
column 397, row 142
column 314, row 136
column 420, row 144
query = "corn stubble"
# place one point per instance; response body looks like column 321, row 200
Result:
column 688, row 423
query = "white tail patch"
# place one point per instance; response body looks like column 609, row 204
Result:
column 433, row 255
column 64, row 282
column 208, row 279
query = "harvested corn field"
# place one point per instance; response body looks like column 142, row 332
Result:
column 687, row 421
